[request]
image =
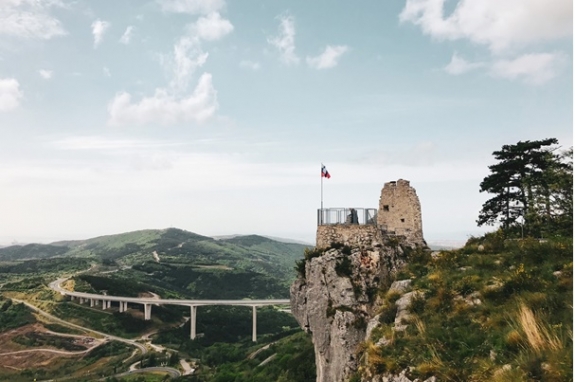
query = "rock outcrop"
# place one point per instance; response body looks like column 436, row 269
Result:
column 337, row 298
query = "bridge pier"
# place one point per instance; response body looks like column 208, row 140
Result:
column 193, row 311
column 104, row 304
column 92, row 303
column 147, row 312
column 254, row 324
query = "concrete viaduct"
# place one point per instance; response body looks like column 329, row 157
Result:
column 106, row 302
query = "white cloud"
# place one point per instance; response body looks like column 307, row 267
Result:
column 45, row 74
column 458, row 65
column 191, row 6
column 329, row 58
column 10, row 94
column 175, row 104
column 250, row 64
column 188, row 54
column 106, row 71
column 187, row 57
column 99, row 28
column 213, row 27
column 285, row 41
column 534, row 68
column 165, row 108
column 30, row 19
column 127, row 36
column 499, row 24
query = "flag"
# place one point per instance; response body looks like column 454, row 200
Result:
column 324, row 173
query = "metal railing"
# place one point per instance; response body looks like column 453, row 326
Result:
column 363, row 216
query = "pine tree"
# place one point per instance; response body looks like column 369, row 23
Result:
column 530, row 181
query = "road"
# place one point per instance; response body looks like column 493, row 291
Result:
column 174, row 373
column 141, row 347
column 63, row 352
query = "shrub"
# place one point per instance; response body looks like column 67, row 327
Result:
column 300, row 267
column 310, row 253
column 388, row 313
column 417, row 305
column 343, row 267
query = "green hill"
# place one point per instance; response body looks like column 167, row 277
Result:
column 170, row 262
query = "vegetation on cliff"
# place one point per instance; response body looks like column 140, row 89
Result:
column 494, row 310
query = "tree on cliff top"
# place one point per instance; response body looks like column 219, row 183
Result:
column 531, row 181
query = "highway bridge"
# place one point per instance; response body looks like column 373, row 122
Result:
column 147, row 302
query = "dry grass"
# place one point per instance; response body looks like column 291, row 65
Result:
column 538, row 337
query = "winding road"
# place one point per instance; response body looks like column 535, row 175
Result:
column 174, row 373
column 141, row 347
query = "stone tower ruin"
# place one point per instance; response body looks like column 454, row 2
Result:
column 400, row 211
column 399, row 214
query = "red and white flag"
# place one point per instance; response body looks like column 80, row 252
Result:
column 324, row 173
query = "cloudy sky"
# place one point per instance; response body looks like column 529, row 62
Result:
column 214, row 116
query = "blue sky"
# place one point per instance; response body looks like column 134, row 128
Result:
column 214, row 116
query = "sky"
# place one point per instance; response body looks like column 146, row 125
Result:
column 214, row 116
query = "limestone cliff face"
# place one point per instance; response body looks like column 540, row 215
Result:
column 338, row 297
column 337, row 301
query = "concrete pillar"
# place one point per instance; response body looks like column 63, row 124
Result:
column 147, row 312
column 193, row 310
column 104, row 304
column 125, row 306
column 92, row 303
column 254, row 324
column 109, row 304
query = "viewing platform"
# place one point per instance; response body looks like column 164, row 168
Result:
column 360, row 216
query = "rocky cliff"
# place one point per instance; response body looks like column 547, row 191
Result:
column 337, row 300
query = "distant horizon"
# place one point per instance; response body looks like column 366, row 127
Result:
column 453, row 242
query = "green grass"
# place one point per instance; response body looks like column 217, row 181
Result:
column 454, row 339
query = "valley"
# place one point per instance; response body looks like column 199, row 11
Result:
column 50, row 337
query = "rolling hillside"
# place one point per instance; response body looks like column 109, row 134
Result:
column 173, row 262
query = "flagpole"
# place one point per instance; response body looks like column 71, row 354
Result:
column 321, row 216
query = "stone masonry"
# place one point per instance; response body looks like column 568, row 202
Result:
column 400, row 211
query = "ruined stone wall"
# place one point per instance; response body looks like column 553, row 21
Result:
column 353, row 235
column 400, row 211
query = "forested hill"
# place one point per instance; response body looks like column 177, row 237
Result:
column 172, row 246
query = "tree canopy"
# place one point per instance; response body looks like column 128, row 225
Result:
column 532, row 184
